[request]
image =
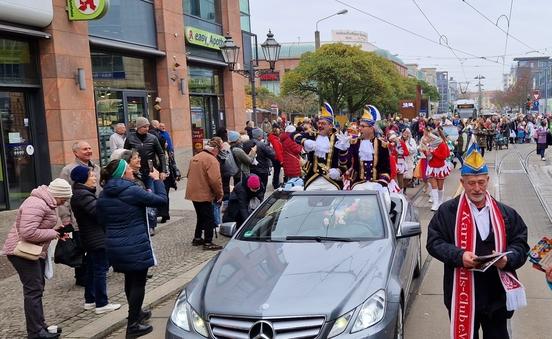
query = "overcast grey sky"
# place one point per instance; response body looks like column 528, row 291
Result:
column 466, row 30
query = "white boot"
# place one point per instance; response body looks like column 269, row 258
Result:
column 430, row 199
column 435, row 198
column 441, row 195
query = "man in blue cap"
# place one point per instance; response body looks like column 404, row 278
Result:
column 460, row 234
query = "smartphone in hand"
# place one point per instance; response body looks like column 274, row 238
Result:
column 150, row 165
column 66, row 229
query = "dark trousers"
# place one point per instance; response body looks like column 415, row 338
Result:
column 163, row 211
column 482, row 149
column 95, row 290
column 490, row 139
column 135, row 288
column 276, row 175
column 226, row 186
column 494, row 326
column 31, row 274
column 205, row 223
column 458, row 156
column 80, row 271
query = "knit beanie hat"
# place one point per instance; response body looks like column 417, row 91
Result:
column 248, row 145
column 233, row 136
column 60, row 188
column 80, row 174
column 141, row 122
column 253, row 182
column 256, row 133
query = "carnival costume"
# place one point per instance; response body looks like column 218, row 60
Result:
column 472, row 296
column 369, row 158
column 327, row 156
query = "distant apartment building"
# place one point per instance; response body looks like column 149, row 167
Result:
column 430, row 76
column 442, row 80
column 453, row 90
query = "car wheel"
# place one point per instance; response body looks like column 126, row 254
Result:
column 418, row 267
column 399, row 328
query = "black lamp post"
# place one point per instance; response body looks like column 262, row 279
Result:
column 271, row 51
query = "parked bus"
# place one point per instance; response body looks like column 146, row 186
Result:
column 465, row 108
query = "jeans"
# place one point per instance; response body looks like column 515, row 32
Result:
column 135, row 288
column 276, row 175
column 95, row 290
column 541, row 150
column 216, row 213
column 31, row 274
column 205, row 223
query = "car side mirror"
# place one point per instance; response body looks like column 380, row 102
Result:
column 409, row 229
column 228, row 228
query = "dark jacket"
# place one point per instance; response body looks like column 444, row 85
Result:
column 149, row 148
column 265, row 156
column 83, row 205
column 121, row 210
column 489, row 293
column 238, row 205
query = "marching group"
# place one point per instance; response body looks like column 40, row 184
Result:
column 111, row 212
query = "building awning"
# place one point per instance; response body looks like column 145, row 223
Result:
column 199, row 59
column 24, row 31
column 118, row 45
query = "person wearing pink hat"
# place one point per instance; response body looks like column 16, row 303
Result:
column 245, row 197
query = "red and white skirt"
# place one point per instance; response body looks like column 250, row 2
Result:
column 401, row 166
column 394, row 187
column 438, row 172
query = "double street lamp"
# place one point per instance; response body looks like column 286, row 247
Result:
column 317, row 33
column 231, row 52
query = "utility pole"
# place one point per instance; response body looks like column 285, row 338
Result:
column 479, row 85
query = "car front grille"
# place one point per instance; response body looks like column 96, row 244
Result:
column 227, row 327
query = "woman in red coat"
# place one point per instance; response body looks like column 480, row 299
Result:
column 274, row 140
column 291, row 154
column 438, row 169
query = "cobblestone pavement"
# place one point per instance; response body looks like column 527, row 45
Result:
column 63, row 301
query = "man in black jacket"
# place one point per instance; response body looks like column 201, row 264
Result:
column 149, row 148
column 239, row 204
column 462, row 231
column 265, row 157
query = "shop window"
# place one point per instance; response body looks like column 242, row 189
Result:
column 245, row 22
column 204, row 80
column 208, row 10
column 17, row 63
column 112, row 70
column 131, row 21
column 272, row 86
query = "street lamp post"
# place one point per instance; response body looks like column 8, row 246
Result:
column 480, row 99
column 271, row 51
column 317, row 33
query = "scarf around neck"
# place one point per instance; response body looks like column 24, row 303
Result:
column 463, row 291
column 322, row 146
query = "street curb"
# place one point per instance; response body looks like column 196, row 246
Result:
column 107, row 324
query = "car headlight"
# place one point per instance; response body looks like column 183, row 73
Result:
column 371, row 312
column 340, row 324
column 179, row 315
column 199, row 324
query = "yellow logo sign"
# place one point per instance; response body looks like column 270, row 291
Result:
column 203, row 38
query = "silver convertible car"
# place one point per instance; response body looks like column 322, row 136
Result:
column 308, row 265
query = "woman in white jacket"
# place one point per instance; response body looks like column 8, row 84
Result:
column 409, row 160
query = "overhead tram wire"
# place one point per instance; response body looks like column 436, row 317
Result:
column 414, row 33
column 507, row 34
column 500, row 28
column 440, row 37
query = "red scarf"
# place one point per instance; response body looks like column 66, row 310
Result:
column 463, row 291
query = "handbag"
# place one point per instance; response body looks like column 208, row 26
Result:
column 25, row 249
column 68, row 253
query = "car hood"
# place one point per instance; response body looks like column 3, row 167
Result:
column 263, row 279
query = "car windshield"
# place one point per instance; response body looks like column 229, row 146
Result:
column 316, row 218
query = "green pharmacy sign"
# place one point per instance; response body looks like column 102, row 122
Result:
column 203, row 38
column 82, row 10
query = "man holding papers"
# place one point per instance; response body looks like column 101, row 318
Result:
column 463, row 233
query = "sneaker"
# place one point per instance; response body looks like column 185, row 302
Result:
column 89, row 306
column 107, row 308
column 152, row 232
column 543, row 159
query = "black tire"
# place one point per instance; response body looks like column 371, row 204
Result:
column 399, row 327
column 418, row 267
